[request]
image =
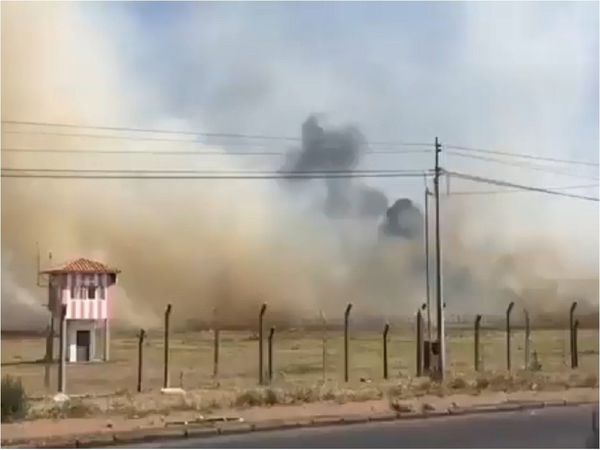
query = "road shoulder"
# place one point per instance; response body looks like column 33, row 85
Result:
column 104, row 431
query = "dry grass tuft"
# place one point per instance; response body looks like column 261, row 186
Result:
column 73, row 408
column 482, row 383
column 304, row 394
column 401, row 407
column 458, row 383
column 590, row 380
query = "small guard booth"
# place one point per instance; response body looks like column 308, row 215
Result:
column 87, row 289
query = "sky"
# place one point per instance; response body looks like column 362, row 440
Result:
column 520, row 77
column 394, row 65
column 479, row 74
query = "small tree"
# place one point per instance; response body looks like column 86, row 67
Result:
column 14, row 400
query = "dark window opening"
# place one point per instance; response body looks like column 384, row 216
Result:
column 91, row 292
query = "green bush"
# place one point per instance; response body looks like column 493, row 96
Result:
column 14, row 400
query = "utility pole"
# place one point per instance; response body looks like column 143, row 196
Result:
column 427, row 282
column 438, row 258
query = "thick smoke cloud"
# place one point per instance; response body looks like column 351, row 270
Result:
column 337, row 150
column 342, row 149
column 234, row 244
column 403, row 219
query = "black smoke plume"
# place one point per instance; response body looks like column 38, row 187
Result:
column 403, row 219
column 337, row 150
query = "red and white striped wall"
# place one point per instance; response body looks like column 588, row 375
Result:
column 87, row 309
column 79, row 307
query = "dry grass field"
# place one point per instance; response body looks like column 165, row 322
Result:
column 297, row 359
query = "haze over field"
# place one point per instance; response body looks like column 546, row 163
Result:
column 517, row 77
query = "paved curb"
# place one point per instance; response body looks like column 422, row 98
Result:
column 107, row 439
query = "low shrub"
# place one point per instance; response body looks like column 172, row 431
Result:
column 14, row 399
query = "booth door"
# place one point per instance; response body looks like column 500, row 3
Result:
column 83, row 345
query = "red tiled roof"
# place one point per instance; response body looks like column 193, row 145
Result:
column 82, row 265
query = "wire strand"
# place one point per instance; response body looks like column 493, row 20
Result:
column 518, row 186
column 521, row 155
column 185, row 152
column 523, row 164
column 214, row 171
column 512, row 191
column 192, row 133
column 209, row 177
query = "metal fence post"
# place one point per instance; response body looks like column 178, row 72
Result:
column 324, row 345
column 140, row 359
column 261, row 314
column 527, row 334
column 419, row 343
column 571, row 334
column 62, row 365
column 477, row 328
column 508, row 311
column 215, row 344
column 386, row 329
column 216, row 352
column 346, row 355
column 575, row 351
column 166, row 347
column 270, row 354
column 49, row 351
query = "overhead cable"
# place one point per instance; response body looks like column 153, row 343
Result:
column 182, row 152
column 518, row 186
column 191, row 133
column 512, row 191
column 522, row 155
column 522, row 164
column 165, row 175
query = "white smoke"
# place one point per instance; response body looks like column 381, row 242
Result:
column 239, row 243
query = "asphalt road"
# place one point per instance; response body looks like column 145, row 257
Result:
column 553, row 427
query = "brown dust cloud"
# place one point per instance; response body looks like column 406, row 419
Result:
column 221, row 247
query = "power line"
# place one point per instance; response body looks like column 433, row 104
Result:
column 203, row 174
column 106, row 136
column 521, row 164
column 214, row 171
column 208, row 177
column 245, row 136
column 521, row 155
column 183, row 152
column 192, row 133
column 151, row 130
column 518, row 186
column 512, row 191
